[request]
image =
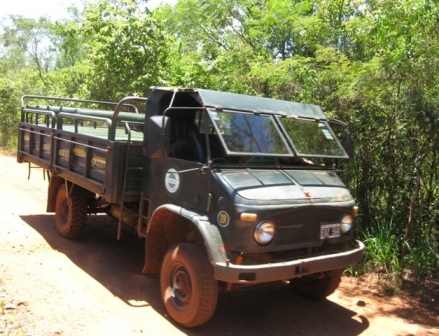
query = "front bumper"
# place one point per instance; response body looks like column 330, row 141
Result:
column 229, row 272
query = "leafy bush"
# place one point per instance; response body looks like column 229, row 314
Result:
column 9, row 112
column 423, row 258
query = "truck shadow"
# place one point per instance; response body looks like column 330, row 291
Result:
column 269, row 310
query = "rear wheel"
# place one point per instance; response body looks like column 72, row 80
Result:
column 317, row 286
column 188, row 288
column 70, row 214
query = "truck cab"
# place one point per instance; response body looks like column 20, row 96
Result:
column 234, row 175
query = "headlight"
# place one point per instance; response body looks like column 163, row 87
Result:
column 264, row 232
column 346, row 223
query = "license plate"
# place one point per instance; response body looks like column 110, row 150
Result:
column 329, row 231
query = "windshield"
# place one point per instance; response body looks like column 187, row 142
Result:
column 249, row 133
column 312, row 138
column 269, row 135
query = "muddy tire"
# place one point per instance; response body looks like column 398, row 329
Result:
column 70, row 214
column 317, row 286
column 188, row 288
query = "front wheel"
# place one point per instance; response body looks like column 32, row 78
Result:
column 70, row 214
column 317, row 286
column 188, row 288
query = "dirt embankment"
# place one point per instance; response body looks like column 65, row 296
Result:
column 94, row 286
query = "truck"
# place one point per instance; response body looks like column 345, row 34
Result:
column 228, row 191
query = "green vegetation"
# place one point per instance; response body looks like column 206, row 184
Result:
column 371, row 63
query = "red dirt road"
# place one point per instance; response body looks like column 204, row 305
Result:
column 94, row 285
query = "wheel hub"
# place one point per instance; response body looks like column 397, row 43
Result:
column 181, row 286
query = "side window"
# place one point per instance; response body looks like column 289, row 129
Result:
column 186, row 141
column 205, row 123
column 201, row 119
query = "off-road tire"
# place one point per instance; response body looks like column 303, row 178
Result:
column 70, row 214
column 189, row 291
column 317, row 286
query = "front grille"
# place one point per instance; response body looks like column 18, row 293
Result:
column 302, row 226
column 280, row 256
column 288, row 255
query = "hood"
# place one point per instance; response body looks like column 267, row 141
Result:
column 295, row 186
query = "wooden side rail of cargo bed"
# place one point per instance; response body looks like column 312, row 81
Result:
column 52, row 116
column 78, row 118
column 70, row 101
column 32, row 116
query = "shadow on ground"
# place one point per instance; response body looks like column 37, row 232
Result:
column 269, row 310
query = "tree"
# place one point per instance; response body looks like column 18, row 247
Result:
column 127, row 50
column 31, row 40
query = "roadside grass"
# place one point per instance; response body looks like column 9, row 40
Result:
column 382, row 247
column 416, row 273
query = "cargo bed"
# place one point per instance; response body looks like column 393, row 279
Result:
column 92, row 148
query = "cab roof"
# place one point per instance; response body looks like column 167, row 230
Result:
column 240, row 102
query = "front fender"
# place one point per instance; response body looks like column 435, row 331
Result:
column 168, row 219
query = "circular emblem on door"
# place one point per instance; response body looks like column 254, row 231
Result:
column 172, row 181
column 223, row 218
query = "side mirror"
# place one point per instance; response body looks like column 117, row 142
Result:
column 349, row 145
column 159, row 130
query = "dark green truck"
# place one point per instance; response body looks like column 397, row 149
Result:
column 221, row 186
